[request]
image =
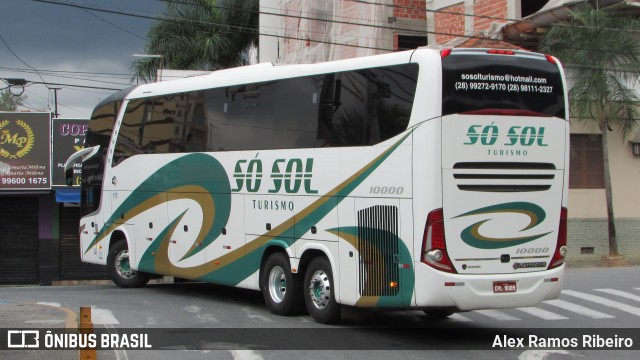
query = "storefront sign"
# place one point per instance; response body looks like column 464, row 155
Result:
column 68, row 137
column 25, row 151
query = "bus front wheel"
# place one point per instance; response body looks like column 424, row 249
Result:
column 319, row 292
column 119, row 267
column 281, row 289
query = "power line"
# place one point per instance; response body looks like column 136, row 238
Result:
column 18, row 57
column 231, row 27
column 253, row 30
column 78, row 86
column 46, row 71
column 114, row 25
column 437, row 11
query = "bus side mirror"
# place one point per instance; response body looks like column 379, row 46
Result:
column 81, row 154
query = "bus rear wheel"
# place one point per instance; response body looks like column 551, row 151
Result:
column 119, row 267
column 319, row 294
column 281, row 288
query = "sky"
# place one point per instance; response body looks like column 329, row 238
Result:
column 71, row 46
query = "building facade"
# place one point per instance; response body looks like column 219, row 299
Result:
column 305, row 31
column 39, row 215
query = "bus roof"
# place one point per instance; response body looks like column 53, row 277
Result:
column 268, row 72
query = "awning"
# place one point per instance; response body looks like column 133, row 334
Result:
column 68, row 195
column 558, row 10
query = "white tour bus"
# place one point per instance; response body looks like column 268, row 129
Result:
column 428, row 180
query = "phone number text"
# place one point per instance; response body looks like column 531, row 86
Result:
column 493, row 86
column 24, row 181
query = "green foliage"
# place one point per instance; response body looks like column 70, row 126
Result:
column 200, row 35
column 601, row 52
column 9, row 102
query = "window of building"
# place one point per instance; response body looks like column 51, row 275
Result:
column 408, row 42
column 586, row 169
column 529, row 7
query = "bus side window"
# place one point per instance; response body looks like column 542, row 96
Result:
column 129, row 133
column 296, row 121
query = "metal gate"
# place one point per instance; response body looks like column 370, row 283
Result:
column 19, row 243
column 71, row 267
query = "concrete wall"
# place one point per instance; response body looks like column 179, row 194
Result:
column 587, row 226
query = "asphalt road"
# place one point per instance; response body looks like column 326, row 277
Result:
column 595, row 301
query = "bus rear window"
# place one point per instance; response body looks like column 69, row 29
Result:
column 484, row 83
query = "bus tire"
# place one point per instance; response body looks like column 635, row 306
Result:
column 119, row 268
column 318, row 292
column 281, row 288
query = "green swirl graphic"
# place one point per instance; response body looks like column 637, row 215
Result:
column 471, row 234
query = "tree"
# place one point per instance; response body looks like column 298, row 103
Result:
column 200, row 35
column 601, row 52
column 10, row 102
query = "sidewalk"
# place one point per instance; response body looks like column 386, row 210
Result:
column 22, row 316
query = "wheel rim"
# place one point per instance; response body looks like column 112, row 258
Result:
column 277, row 284
column 320, row 289
column 123, row 267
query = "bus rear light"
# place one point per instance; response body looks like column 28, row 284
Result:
column 445, row 52
column 561, row 246
column 500, row 52
column 434, row 247
column 550, row 59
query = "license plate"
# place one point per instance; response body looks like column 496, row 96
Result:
column 504, row 286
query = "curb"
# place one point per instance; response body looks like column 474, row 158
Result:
column 164, row 280
column 72, row 317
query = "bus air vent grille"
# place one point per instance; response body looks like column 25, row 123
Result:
column 377, row 244
column 504, row 177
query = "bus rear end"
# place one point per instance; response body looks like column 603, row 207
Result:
column 498, row 237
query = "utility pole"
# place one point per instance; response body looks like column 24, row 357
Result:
column 55, row 99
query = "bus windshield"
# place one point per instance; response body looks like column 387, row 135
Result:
column 525, row 85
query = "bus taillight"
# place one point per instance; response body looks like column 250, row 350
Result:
column 561, row 247
column 434, row 246
column 445, row 52
column 500, row 52
column 550, row 59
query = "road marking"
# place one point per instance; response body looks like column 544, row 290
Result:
column 54, row 304
column 620, row 293
column 102, row 317
column 459, row 317
column 542, row 313
column 72, row 316
column 540, row 354
column 207, row 318
column 203, row 318
column 604, row 301
column 192, row 309
column 498, row 315
column 245, row 355
column 46, row 321
column 253, row 316
column 121, row 354
column 579, row 309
